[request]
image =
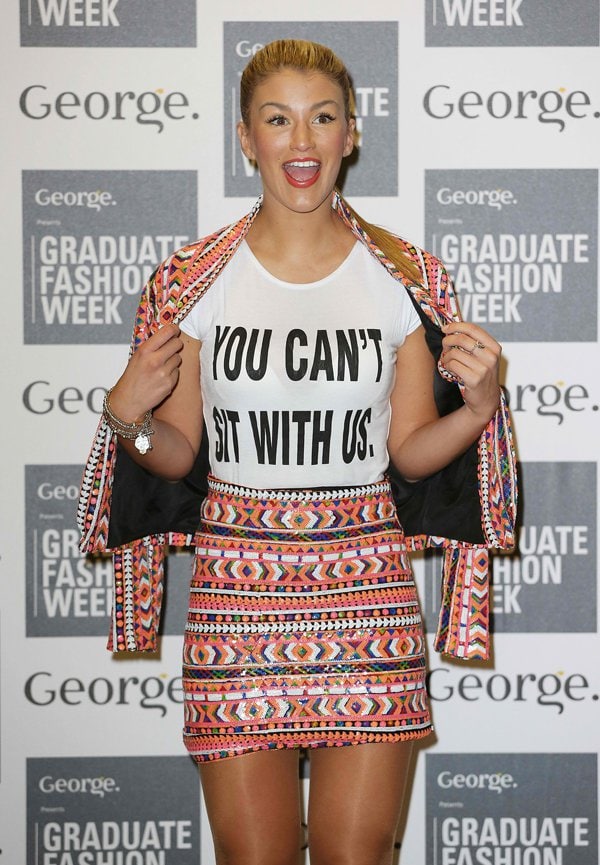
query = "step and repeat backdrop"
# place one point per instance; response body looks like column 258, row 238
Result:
column 479, row 139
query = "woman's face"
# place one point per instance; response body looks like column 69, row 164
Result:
column 297, row 134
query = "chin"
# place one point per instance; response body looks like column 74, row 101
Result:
column 306, row 200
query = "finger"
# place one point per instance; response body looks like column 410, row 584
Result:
column 467, row 345
column 467, row 327
column 163, row 336
column 470, row 374
column 162, row 377
column 465, row 351
column 461, row 338
column 481, row 363
column 172, row 363
column 469, row 336
column 173, row 346
column 164, row 385
column 169, row 349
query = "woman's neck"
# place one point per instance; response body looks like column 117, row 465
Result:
column 299, row 247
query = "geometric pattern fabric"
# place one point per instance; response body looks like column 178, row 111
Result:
column 304, row 628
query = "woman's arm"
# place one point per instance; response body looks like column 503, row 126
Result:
column 419, row 442
column 163, row 374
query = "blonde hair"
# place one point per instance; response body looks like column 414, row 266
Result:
column 306, row 56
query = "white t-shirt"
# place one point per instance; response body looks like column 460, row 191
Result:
column 296, row 378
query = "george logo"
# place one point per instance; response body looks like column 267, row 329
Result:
column 554, row 567
column 554, row 108
column 509, row 22
column 155, row 693
column 496, row 781
column 557, row 691
column 371, row 50
column 91, row 241
column 94, row 786
column 153, row 108
column 107, row 23
column 95, row 200
column 517, row 808
column 41, row 397
column 554, row 400
column 117, row 809
column 521, row 246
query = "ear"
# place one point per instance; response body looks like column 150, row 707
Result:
column 245, row 140
column 350, row 137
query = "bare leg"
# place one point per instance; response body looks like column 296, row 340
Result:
column 253, row 805
column 356, row 795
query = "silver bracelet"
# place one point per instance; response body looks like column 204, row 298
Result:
column 139, row 433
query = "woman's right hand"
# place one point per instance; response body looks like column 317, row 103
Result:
column 150, row 376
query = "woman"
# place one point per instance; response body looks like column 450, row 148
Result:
column 308, row 360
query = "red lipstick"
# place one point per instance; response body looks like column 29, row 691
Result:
column 302, row 173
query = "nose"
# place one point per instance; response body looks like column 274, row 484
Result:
column 302, row 137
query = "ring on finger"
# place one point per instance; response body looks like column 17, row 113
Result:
column 477, row 344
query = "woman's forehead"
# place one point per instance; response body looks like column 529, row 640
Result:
column 297, row 83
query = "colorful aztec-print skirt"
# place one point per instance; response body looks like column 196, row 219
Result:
column 304, row 628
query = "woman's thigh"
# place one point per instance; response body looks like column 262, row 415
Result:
column 253, row 805
column 355, row 800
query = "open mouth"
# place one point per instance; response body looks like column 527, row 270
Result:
column 302, row 172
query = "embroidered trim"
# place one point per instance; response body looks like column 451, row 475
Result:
column 299, row 495
column 497, row 480
column 302, row 627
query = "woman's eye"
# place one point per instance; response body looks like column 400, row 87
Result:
column 277, row 120
column 324, row 118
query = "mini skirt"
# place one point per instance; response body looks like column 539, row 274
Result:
column 304, row 628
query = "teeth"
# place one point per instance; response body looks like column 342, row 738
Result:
column 304, row 164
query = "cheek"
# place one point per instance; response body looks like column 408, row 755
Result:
column 340, row 142
column 265, row 149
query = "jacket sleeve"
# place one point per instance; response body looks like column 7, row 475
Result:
column 171, row 291
column 139, row 565
column 470, row 506
column 137, row 595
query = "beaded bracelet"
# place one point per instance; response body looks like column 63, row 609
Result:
column 139, row 433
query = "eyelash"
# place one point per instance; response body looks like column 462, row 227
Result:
column 276, row 118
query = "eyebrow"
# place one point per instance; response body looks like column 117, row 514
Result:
column 283, row 107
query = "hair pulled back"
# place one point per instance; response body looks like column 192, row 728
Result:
column 298, row 54
column 312, row 57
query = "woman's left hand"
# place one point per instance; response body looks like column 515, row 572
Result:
column 473, row 356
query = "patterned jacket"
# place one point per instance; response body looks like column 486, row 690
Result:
column 465, row 509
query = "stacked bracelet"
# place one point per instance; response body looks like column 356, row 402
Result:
column 138, row 432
